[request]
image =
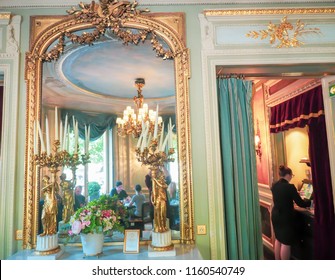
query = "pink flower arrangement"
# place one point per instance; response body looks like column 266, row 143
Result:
column 99, row 216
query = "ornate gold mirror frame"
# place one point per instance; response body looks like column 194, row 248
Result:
column 120, row 17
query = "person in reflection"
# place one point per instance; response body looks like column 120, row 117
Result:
column 120, row 191
column 79, row 199
column 138, row 199
column 68, row 198
column 283, row 215
column 172, row 191
column 50, row 208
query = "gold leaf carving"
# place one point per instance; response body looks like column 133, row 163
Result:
column 285, row 34
column 112, row 15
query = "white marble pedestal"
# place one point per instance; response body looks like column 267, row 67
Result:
column 39, row 255
column 47, row 248
column 161, row 245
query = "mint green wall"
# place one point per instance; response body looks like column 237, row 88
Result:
column 193, row 36
column 196, row 107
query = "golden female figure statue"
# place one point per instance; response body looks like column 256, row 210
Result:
column 68, row 198
column 50, row 210
column 159, row 200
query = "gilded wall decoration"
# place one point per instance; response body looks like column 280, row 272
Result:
column 120, row 18
column 285, row 34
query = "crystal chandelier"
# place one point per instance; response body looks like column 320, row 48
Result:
column 133, row 122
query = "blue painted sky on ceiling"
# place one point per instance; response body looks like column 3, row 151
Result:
column 110, row 68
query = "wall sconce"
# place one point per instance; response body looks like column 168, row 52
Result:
column 258, row 142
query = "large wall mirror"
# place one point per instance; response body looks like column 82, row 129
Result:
column 86, row 64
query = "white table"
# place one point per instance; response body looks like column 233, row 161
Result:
column 115, row 252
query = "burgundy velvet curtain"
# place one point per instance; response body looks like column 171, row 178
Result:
column 298, row 111
column 307, row 109
column 324, row 224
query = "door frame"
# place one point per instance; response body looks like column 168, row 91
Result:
column 213, row 54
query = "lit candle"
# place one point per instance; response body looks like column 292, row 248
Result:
column 76, row 138
column 165, row 141
column 141, row 136
column 139, row 140
column 47, row 135
column 149, row 140
column 41, row 137
column 170, row 135
column 61, row 135
column 144, row 137
column 68, row 139
column 85, row 146
column 56, row 123
column 156, row 123
column 65, row 133
column 74, row 122
column 161, row 139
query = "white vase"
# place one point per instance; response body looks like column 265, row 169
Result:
column 92, row 243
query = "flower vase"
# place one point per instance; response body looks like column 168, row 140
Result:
column 92, row 243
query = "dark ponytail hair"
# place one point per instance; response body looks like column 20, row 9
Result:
column 138, row 188
column 284, row 170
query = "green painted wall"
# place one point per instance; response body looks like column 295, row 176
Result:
column 196, row 107
column 193, row 36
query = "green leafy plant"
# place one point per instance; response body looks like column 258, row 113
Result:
column 93, row 189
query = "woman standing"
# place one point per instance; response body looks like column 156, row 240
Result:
column 283, row 221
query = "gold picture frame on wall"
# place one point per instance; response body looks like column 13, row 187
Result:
column 51, row 31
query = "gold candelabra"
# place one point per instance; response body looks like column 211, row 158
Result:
column 58, row 159
column 155, row 159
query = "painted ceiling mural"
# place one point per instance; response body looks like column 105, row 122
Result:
column 101, row 77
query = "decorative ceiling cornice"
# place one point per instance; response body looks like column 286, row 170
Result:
column 272, row 11
column 67, row 3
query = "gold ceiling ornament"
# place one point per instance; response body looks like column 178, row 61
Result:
column 132, row 122
column 285, row 34
column 250, row 12
column 108, row 15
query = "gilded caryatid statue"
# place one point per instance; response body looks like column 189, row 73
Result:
column 159, row 200
column 50, row 209
column 67, row 187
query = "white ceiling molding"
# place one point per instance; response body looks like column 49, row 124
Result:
column 66, row 3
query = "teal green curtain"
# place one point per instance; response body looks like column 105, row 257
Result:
column 98, row 123
column 240, row 188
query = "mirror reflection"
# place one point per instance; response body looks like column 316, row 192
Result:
column 92, row 86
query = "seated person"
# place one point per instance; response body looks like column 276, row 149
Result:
column 172, row 191
column 138, row 199
column 119, row 191
column 79, row 199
